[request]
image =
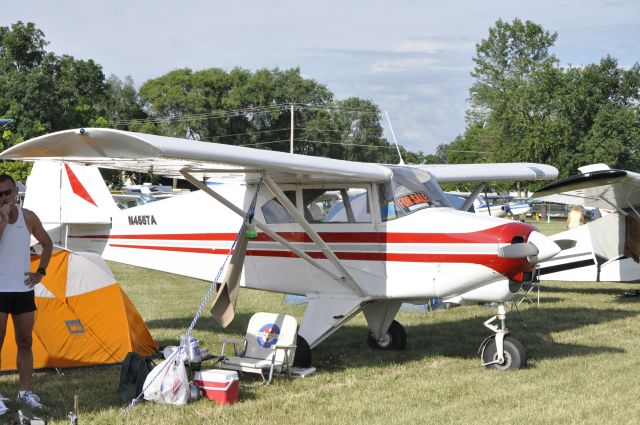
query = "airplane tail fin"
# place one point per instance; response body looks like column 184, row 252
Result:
column 61, row 194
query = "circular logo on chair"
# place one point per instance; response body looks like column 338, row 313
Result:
column 268, row 335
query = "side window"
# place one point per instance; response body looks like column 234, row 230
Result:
column 274, row 212
column 346, row 205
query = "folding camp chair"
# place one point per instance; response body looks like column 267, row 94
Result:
column 268, row 347
column 528, row 288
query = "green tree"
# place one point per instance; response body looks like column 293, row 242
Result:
column 122, row 105
column 247, row 108
column 512, row 98
column 43, row 92
column 21, row 47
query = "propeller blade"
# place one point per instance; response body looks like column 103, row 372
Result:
column 518, row 250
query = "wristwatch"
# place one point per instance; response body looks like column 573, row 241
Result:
column 42, row 271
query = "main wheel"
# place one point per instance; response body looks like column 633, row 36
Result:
column 394, row 339
column 303, row 353
column 515, row 355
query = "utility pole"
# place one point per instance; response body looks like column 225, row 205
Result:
column 291, row 143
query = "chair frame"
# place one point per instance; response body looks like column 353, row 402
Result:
column 268, row 365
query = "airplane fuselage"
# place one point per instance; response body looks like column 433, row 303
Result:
column 434, row 252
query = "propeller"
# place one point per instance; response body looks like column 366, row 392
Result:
column 538, row 248
column 518, row 250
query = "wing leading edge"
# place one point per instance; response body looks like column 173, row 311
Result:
column 455, row 173
column 166, row 156
column 604, row 189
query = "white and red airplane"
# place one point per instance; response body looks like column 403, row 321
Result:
column 608, row 248
column 352, row 237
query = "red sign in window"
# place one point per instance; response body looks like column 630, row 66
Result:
column 413, row 201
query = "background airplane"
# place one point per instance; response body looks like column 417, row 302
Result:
column 608, row 248
column 399, row 241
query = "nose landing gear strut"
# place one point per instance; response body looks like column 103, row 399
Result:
column 501, row 351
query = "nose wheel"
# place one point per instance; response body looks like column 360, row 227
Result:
column 501, row 351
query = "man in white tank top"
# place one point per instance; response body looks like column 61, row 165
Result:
column 17, row 282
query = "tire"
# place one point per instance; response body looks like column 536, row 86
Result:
column 395, row 339
column 515, row 355
column 303, row 353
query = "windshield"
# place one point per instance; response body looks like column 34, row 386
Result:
column 410, row 190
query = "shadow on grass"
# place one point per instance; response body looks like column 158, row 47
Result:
column 595, row 288
column 205, row 322
column 461, row 339
column 346, row 349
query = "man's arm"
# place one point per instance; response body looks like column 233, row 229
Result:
column 4, row 218
column 37, row 230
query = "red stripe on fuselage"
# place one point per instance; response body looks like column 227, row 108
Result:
column 490, row 235
column 495, row 235
column 505, row 266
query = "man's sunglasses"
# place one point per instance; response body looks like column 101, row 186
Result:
column 6, row 192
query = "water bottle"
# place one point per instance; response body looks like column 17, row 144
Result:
column 193, row 351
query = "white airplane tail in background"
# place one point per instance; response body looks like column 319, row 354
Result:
column 62, row 194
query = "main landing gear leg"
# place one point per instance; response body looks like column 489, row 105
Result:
column 501, row 351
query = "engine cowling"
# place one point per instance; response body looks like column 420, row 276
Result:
column 499, row 291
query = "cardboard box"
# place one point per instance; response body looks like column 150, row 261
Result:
column 221, row 386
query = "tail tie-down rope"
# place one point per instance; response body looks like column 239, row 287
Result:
column 222, row 314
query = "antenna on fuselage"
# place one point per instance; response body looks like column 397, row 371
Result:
column 394, row 137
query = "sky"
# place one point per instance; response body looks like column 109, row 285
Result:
column 412, row 58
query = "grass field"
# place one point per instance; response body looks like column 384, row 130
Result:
column 583, row 344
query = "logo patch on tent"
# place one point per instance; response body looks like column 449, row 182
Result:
column 75, row 327
column 268, row 335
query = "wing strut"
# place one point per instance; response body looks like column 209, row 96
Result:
column 469, row 201
column 262, row 226
column 299, row 218
column 615, row 207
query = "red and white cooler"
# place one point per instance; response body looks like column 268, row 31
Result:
column 221, row 386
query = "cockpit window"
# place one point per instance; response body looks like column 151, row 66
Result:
column 343, row 205
column 410, row 190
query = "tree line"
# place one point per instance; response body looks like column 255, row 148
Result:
column 44, row 92
column 524, row 106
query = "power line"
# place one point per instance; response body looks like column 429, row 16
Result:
column 237, row 112
column 345, row 144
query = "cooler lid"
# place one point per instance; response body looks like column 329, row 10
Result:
column 216, row 375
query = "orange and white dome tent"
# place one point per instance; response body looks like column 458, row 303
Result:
column 83, row 317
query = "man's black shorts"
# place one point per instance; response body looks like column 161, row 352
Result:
column 17, row 302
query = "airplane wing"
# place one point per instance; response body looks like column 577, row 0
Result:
column 166, row 156
column 606, row 189
column 454, row 173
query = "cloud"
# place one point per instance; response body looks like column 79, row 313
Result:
column 431, row 46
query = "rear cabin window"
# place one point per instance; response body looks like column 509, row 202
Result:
column 275, row 213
